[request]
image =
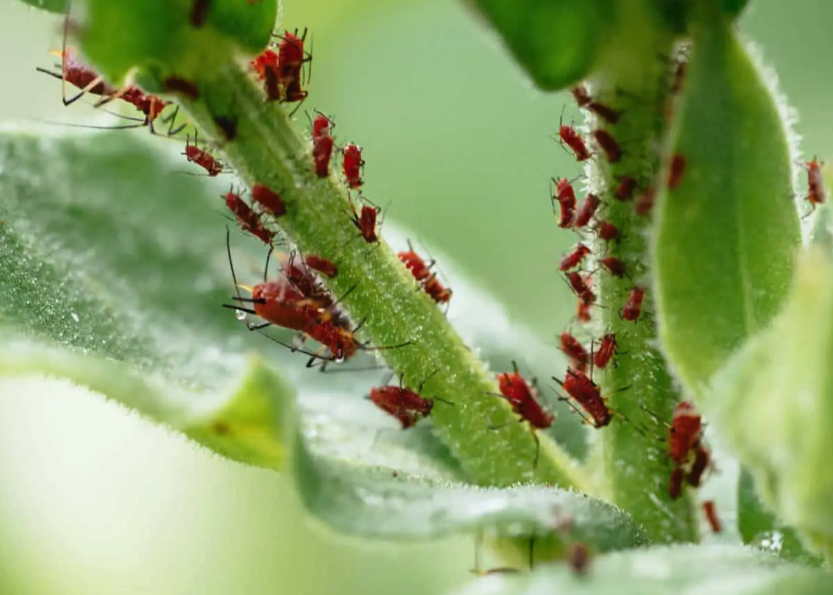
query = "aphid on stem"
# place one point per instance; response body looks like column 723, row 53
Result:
column 676, row 169
column 815, row 183
column 625, row 189
column 645, row 203
column 566, row 198
column 365, row 220
column 586, row 211
column 202, row 157
column 406, row 405
column 632, row 309
column 321, row 265
column 607, row 231
column 608, row 144
column 268, row 199
column 352, row 164
column 711, row 516
column 615, row 266
column 574, row 258
column 574, row 350
column 607, row 348
column 574, row 141
column 584, row 100
column 581, row 388
column 247, row 218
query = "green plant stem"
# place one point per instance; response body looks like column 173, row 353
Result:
column 636, row 466
column 375, row 288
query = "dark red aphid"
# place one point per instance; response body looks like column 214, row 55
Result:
column 615, row 266
column 711, row 516
column 406, row 405
column 523, row 397
column 420, row 269
column 632, row 309
column 702, row 461
column 685, row 432
column 202, row 158
column 581, row 286
column 581, row 95
column 247, row 218
column 588, row 209
column 322, row 152
column 79, row 75
column 199, row 12
column 177, row 84
column 815, row 183
column 270, row 200
column 584, row 311
column 624, row 191
column 266, row 60
column 607, row 231
column 351, row 165
column 573, row 139
column 583, row 99
column 566, row 197
column 573, row 349
column 365, row 221
column 322, row 126
column 574, row 258
column 645, row 203
column 607, row 348
column 608, row 144
column 322, row 265
column 675, row 483
column 438, row 292
column 676, row 169
column 579, row 557
column 587, row 394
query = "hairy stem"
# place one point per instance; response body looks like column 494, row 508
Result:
column 267, row 150
column 639, row 387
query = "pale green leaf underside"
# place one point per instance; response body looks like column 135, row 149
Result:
column 675, row 570
column 726, row 235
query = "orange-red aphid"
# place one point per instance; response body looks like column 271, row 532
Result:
column 607, row 231
column 675, row 483
column 420, row 269
column 267, row 59
column 524, row 400
column 815, row 183
column 606, row 350
column 676, row 169
column 365, row 221
column 587, row 210
column 322, row 265
column 351, row 165
column 625, row 189
column 588, row 395
column 248, row 219
column 270, row 200
column 573, row 349
column 404, row 404
column 711, row 516
column 608, row 144
column 202, row 158
column 438, row 292
column 632, row 309
column 645, row 203
column 573, row 139
column 685, row 432
column 581, row 286
column 574, row 258
column 615, row 266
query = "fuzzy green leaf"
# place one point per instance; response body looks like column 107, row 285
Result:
column 717, row 570
column 556, row 42
column 59, row 6
column 761, row 528
column 773, row 402
column 726, row 234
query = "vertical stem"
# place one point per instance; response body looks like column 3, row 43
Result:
column 636, row 466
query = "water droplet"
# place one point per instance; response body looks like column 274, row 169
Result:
column 75, row 317
column 340, row 358
column 240, row 315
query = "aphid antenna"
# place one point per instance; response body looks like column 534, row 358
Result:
column 295, row 349
column 584, row 419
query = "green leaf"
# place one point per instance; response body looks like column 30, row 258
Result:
column 717, row 570
column 557, row 43
column 726, row 235
column 773, row 403
column 108, row 254
column 733, row 8
column 59, row 6
column 761, row 528
column 383, row 503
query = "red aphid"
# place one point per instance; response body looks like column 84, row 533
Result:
column 606, row 350
column 645, row 203
column 150, row 105
column 624, row 191
column 608, row 144
column 202, row 158
column 351, row 165
column 615, row 266
column 321, row 126
column 583, row 99
column 685, row 432
column 675, row 483
column 587, row 210
column 676, row 169
column 573, row 139
column 402, row 403
column 566, row 197
column 711, row 516
column 584, row 311
column 365, row 221
column 574, row 258
column 278, row 303
column 579, row 558
column 607, row 231
column 247, row 218
column 581, row 286
column 322, row 152
column 266, row 60
column 79, row 75
column 588, row 395
column 267, row 198
column 815, row 183
column 420, row 269
column 438, row 292
column 632, row 309
column 573, row 349
column 322, row 265
column 524, row 400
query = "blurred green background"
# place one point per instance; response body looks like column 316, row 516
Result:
column 458, row 142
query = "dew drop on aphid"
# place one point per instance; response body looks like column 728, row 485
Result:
column 240, row 315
